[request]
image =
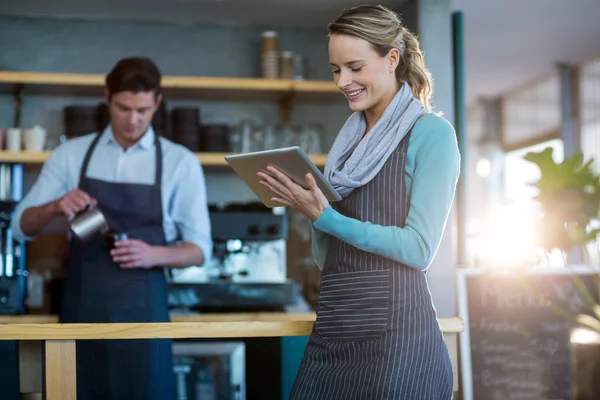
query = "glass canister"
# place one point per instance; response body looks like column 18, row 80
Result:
column 300, row 67
column 287, row 65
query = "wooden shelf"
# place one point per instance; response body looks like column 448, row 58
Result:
column 207, row 159
column 23, row 157
column 233, row 89
column 180, row 86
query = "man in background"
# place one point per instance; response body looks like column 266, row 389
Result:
column 147, row 187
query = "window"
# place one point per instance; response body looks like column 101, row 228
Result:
column 507, row 238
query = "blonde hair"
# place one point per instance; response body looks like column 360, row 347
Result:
column 382, row 28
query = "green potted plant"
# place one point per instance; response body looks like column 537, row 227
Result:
column 569, row 197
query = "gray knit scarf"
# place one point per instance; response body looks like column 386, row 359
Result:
column 354, row 160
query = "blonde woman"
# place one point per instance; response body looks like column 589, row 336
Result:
column 396, row 165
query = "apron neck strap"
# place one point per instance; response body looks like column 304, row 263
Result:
column 88, row 156
column 159, row 162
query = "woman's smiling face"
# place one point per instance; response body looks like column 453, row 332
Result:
column 367, row 79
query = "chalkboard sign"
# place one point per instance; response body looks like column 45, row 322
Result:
column 515, row 345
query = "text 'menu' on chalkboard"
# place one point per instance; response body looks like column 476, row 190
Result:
column 515, row 345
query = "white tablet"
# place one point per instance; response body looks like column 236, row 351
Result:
column 292, row 161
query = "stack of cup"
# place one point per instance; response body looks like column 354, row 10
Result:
column 269, row 55
column 13, row 139
column 34, row 139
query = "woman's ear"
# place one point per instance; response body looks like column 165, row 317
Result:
column 393, row 59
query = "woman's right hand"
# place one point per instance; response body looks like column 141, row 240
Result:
column 72, row 202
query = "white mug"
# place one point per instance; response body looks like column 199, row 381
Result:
column 13, row 139
column 34, row 138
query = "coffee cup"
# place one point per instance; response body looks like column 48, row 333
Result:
column 113, row 236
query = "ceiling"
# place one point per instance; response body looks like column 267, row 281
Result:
column 511, row 42
column 507, row 42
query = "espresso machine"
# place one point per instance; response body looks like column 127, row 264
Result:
column 13, row 272
column 248, row 269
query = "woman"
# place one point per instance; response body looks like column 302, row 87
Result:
column 396, row 165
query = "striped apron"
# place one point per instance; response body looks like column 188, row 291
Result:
column 376, row 335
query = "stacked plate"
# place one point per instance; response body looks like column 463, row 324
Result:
column 215, row 138
column 103, row 116
column 185, row 127
column 160, row 120
column 80, row 120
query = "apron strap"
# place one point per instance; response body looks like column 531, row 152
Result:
column 405, row 200
column 159, row 162
column 88, row 156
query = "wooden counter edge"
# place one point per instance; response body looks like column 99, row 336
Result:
column 174, row 330
column 209, row 317
column 165, row 330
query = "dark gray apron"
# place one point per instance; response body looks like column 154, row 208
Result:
column 376, row 335
column 99, row 290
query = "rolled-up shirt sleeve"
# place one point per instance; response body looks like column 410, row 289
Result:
column 189, row 208
column 51, row 184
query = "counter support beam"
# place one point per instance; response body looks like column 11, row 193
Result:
column 60, row 370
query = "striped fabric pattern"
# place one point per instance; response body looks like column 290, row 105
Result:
column 354, row 304
column 376, row 335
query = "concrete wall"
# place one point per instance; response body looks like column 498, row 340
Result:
column 53, row 45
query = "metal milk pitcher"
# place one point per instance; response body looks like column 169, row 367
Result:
column 88, row 223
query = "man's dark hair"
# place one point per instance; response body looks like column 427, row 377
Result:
column 134, row 74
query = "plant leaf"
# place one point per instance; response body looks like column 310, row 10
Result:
column 583, row 290
column 596, row 309
column 589, row 321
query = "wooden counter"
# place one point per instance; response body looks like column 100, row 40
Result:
column 166, row 330
column 60, row 349
column 448, row 325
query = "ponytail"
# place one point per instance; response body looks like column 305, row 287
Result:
column 412, row 69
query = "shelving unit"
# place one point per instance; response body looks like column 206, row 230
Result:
column 284, row 91
column 207, row 159
column 180, row 86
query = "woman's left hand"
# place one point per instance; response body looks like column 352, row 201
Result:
column 311, row 202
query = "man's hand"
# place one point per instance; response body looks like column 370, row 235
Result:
column 133, row 253
column 34, row 219
column 72, row 202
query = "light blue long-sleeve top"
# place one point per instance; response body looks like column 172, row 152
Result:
column 185, row 211
column 432, row 170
